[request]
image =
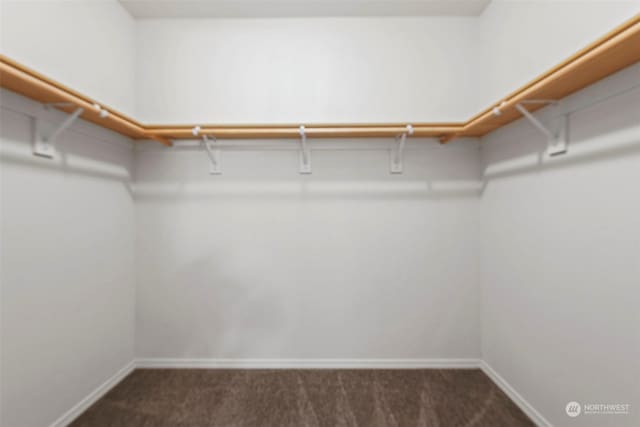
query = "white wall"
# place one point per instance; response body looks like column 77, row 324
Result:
column 67, row 225
column 67, row 266
column 304, row 70
column 434, row 69
column 349, row 262
column 519, row 40
column 431, row 69
column 560, row 248
column 87, row 45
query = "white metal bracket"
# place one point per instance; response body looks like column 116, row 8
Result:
column 44, row 137
column 396, row 158
column 558, row 141
column 212, row 150
column 214, row 155
column 305, row 153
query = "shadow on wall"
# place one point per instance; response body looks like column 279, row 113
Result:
column 201, row 294
column 603, row 131
column 431, row 171
column 273, row 190
column 83, row 150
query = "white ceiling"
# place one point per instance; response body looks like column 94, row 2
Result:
column 300, row 8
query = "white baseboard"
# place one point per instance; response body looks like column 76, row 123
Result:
column 92, row 397
column 516, row 397
column 310, row 363
column 179, row 363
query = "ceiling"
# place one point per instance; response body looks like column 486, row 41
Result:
column 300, row 8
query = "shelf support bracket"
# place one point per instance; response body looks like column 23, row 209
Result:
column 43, row 143
column 558, row 142
column 396, row 159
column 214, row 155
column 305, row 153
column 212, row 150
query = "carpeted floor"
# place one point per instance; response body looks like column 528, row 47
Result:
column 304, row 398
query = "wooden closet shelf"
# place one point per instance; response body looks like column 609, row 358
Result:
column 618, row 49
column 311, row 130
column 20, row 79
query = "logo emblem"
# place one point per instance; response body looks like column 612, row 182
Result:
column 573, row 409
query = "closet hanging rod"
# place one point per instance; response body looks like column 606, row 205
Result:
column 20, row 79
column 311, row 131
column 618, row 49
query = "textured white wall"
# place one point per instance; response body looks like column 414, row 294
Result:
column 87, row 45
column 67, row 268
column 560, row 249
column 349, row 262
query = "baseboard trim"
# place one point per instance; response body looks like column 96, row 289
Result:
column 182, row 363
column 95, row 395
column 516, row 397
column 308, row 363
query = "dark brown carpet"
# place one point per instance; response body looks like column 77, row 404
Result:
column 304, row 398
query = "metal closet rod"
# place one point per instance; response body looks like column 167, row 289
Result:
column 313, row 131
column 441, row 131
column 616, row 50
column 327, row 131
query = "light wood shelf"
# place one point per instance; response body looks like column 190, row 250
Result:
column 378, row 130
column 20, row 79
column 618, row 49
